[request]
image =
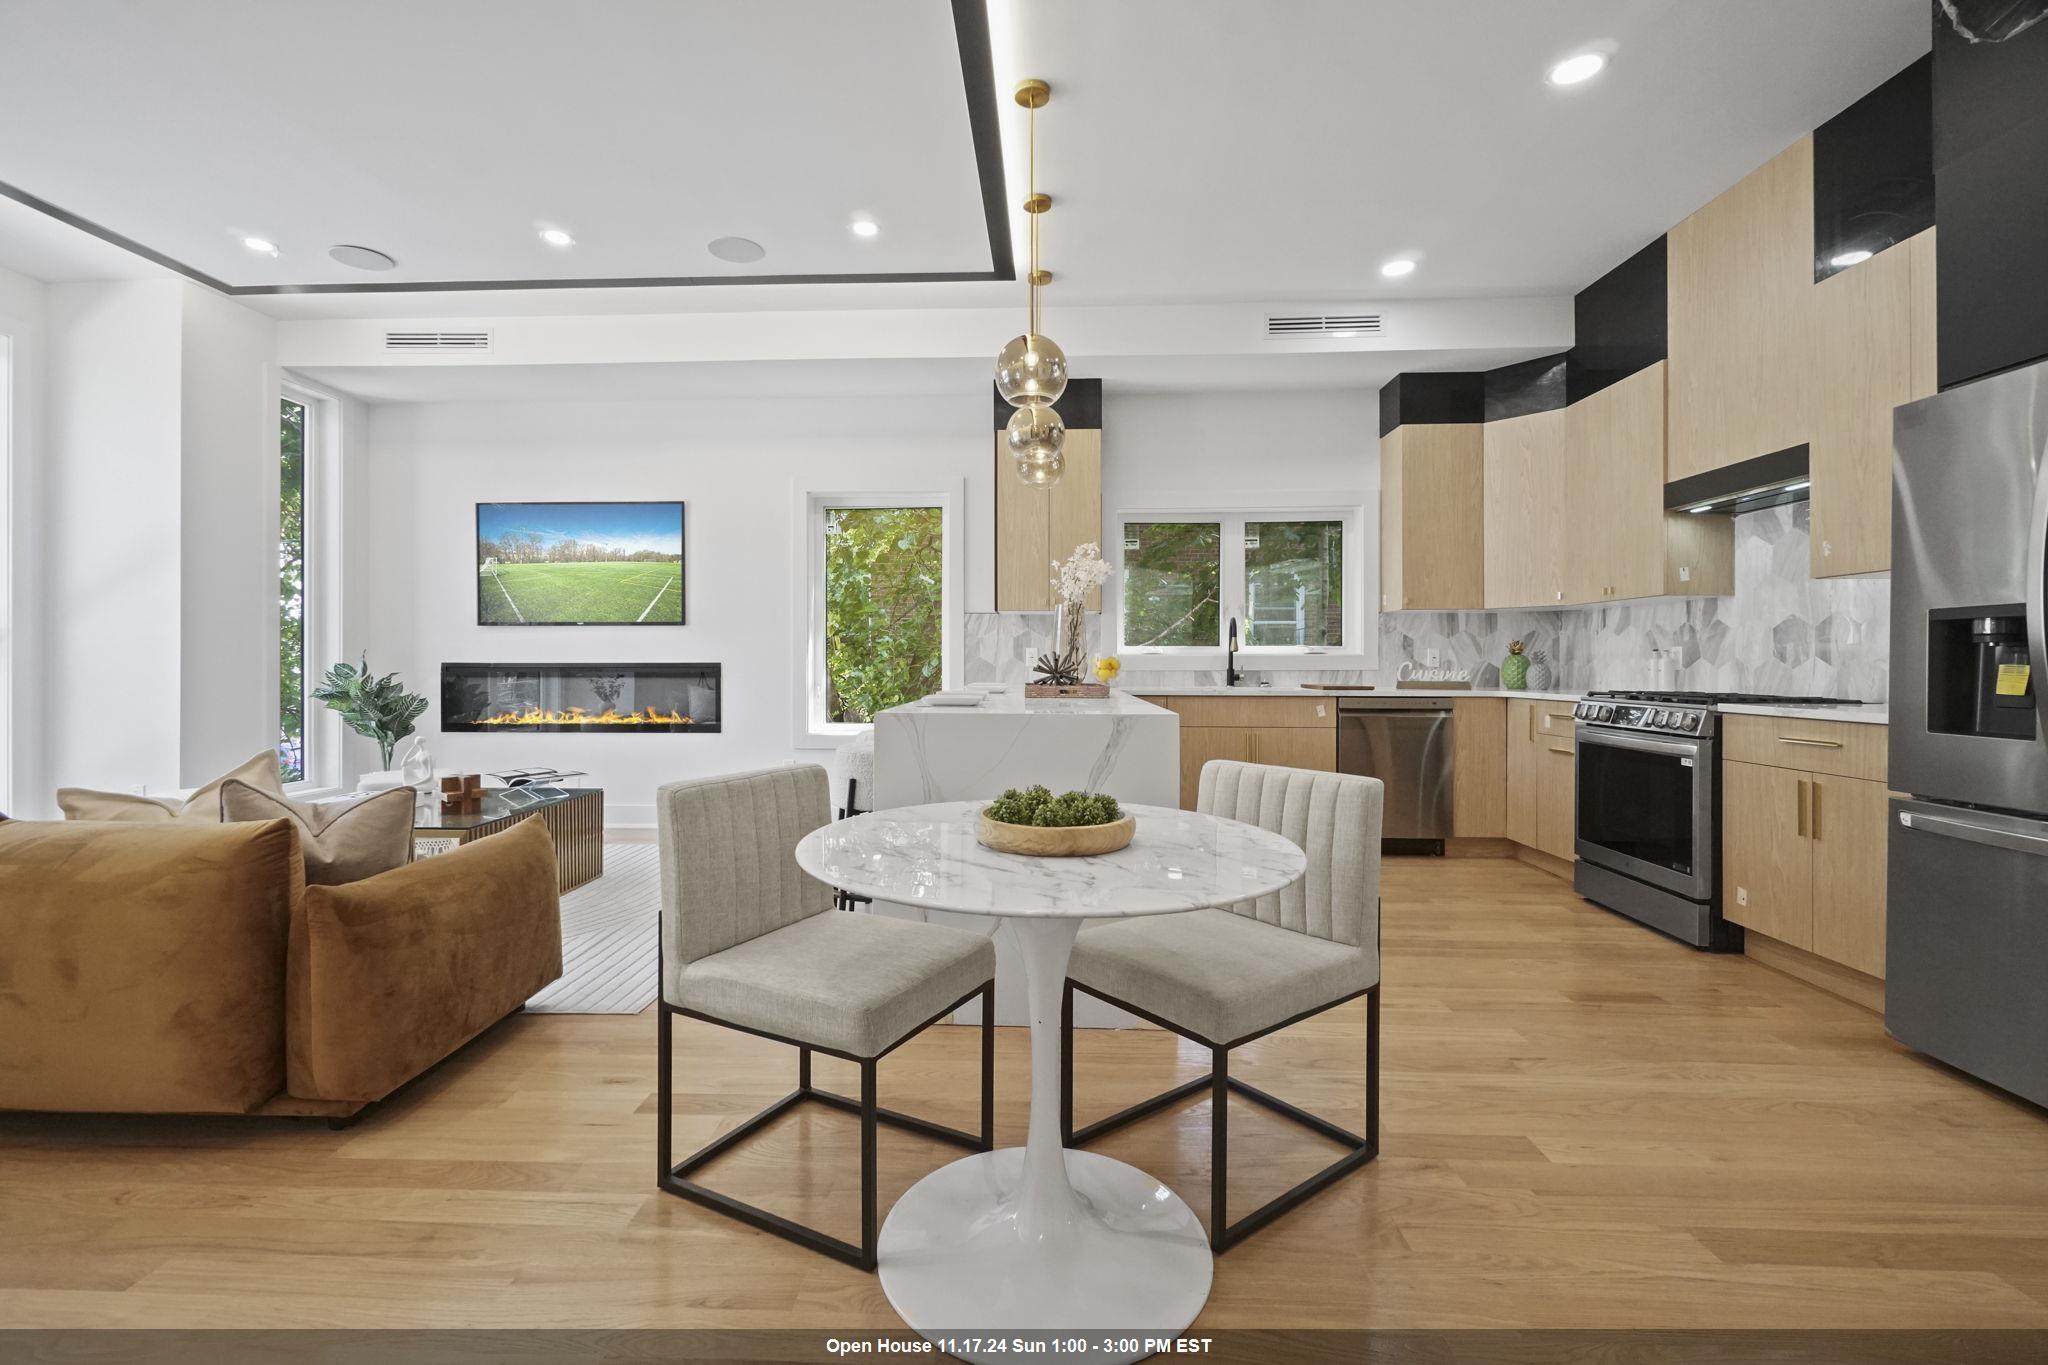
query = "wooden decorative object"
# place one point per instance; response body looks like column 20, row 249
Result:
column 1097, row 690
column 462, row 794
column 1038, row 841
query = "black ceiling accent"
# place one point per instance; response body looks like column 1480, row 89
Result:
column 1455, row 396
column 1527, row 386
column 1873, row 170
column 1620, row 323
column 977, row 74
column 1080, row 407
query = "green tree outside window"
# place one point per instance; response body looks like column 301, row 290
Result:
column 884, row 608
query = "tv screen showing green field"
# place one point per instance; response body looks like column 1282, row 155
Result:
column 579, row 563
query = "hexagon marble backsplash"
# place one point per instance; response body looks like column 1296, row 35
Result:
column 1782, row 632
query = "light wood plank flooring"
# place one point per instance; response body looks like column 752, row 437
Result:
column 1585, row 1126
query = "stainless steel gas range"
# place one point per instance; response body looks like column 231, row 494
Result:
column 1648, row 803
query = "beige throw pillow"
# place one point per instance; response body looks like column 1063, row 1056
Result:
column 82, row 803
column 342, row 841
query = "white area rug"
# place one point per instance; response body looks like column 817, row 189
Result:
column 610, row 952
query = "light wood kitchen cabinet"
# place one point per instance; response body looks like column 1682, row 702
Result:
column 1621, row 542
column 1541, row 795
column 1479, row 754
column 1803, row 833
column 1526, row 466
column 1874, row 335
column 1432, row 515
column 1035, row 526
column 1288, row 732
column 1741, row 326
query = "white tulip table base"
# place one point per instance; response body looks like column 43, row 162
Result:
column 1123, row 1257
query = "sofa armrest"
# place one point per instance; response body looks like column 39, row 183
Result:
column 142, row 965
column 390, row 974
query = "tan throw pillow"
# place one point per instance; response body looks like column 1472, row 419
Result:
column 82, row 803
column 343, row 841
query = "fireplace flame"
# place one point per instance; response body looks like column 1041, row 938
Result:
column 576, row 715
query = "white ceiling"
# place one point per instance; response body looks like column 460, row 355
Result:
column 1197, row 149
column 448, row 134
column 662, row 381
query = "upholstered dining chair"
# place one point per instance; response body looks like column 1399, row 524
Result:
column 1224, row 977
column 751, row 942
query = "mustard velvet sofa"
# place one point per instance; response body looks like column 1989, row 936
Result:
column 186, row 968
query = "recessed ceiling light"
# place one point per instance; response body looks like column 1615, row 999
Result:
column 1573, row 70
column 262, row 246
column 865, row 227
column 556, row 237
column 361, row 257
column 1849, row 258
column 1395, row 269
column 738, row 250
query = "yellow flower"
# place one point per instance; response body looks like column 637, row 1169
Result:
column 1107, row 667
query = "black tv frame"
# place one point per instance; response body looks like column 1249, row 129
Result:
column 682, row 507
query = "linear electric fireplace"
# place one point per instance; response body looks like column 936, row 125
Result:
column 610, row 699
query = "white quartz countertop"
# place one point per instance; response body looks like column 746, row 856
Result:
column 1376, row 693
column 1014, row 703
column 1854, row 715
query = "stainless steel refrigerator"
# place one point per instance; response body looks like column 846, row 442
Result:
column 1966, row 956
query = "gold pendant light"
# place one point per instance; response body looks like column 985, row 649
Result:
column 1031, row 372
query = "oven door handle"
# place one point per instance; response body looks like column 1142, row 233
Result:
column 1680, row 748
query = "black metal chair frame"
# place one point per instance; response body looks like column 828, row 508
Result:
column 843, row 898
column 1224, row 1234
column 672, row 1176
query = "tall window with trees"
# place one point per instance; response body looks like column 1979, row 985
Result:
column 884, row 600
column 291, row 592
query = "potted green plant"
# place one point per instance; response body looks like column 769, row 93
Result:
column 375, row 708
column 1038, row 824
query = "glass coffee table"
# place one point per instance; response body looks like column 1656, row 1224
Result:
column 574, row 815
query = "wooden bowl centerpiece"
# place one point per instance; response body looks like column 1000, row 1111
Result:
column 1037, row 824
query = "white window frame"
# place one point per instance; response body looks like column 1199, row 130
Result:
column 324, row 738
column 1356, row 509
column 813, row 730
column 10, row 609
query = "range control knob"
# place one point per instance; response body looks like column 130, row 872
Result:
column 1692, row 723
column 1657, row 717
column 1606, row 711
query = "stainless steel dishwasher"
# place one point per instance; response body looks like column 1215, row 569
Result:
column 1406, row 744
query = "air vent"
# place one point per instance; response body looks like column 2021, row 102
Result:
column 437, row 341
column 1324, row 325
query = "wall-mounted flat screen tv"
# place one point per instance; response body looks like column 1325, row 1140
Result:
column 579, row 563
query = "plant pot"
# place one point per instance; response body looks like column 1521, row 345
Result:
column 1042, row 841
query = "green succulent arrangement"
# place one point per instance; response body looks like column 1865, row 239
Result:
column 1038, row 806
column 375, row 708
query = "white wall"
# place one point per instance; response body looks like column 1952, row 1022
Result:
column 1271, row 441
column 737, row 464
column 21, row 328
column 229, row 623
column 111, row 604
column 157, row 590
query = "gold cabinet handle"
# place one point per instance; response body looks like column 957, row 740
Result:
column 1799, row 810
column 1810, row 743
column 1565, row 750
column 1813, row 820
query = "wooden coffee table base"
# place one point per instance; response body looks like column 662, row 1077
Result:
column 575, row 820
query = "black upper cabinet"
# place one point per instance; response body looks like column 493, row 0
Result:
column 1873, row 170
column 1991, row 178
column 1525, row 387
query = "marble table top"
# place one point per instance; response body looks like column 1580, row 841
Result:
column 929, row 856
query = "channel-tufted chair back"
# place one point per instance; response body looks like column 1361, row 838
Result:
column 1332, row 817
column 728, row 858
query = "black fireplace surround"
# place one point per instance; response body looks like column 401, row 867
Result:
column 603, row 699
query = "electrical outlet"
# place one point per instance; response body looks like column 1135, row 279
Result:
column 139, row 789
column 1742, row 895
column 1429, row 658
column 1685, row 573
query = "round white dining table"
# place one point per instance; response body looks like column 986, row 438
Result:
column 1040, row 1238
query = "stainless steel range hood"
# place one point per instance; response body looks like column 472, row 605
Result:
column 1766, row 481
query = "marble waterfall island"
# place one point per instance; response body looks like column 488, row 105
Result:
column 1117, row 744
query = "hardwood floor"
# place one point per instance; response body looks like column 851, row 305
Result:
column 1586, row 1125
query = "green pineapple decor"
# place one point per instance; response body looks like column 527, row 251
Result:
column 1514, row 670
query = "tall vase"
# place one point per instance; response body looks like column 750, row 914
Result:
column 1070, row 638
